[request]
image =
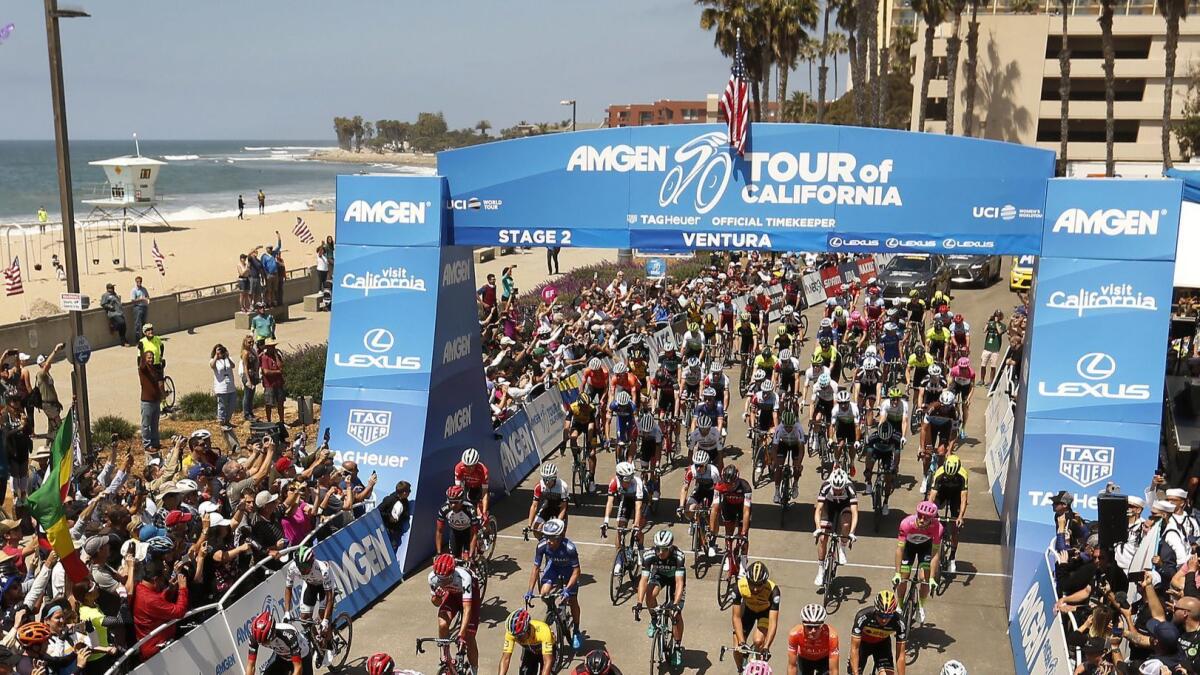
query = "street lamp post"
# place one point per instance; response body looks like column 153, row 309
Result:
column 67, row 200
column 570, row 102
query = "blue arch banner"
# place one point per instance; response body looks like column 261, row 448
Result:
column 798, row 187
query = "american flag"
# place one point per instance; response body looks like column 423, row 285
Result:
column 301, row 230
column 12, row 278
column 158, row 256
column 735, row 102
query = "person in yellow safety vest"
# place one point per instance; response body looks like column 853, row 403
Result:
column 151, row 343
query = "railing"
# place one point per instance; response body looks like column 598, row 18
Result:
column 232, row 286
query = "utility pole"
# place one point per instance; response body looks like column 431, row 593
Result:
column 67, row 200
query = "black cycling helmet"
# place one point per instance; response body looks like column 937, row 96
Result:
column 729, row 473
column 597, row 662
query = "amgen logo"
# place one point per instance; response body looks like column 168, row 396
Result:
column 387, row 212
column 1109, row 222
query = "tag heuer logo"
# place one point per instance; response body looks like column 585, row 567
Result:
column 1086, row 465
column 369, row 426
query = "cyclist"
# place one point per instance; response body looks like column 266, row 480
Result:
column 291, row 648
column 840, row 320
column 765, row 361
column 916, row 309
column 936, row 339
column 731, row 506
column 871, row 637
column 689, row 379
column 718, row 381
column 556, row 567
column 941, row 310
column 704, row 438
column 822, row 397
column 708, row 326
column 788, row 437
column 460, row 518
column 960, row 333
column 315, row 578
column 846, row 430
column 816, row 368
column 919, row 542
column 624, row 381
column 825, row 329
column 380, row 663
column 639, row 359
column 597, row 662
column 632, row 492
column 949, row 490
column 581, row 421
column 919, row 363
column 856, row 332
column 747, row 337
column 937, row 431
column 704, row 475
column 795, row 327
column 710, row 407
column 765, row 403
column 787, row 371
column 595, row 380
column 756, row 612
column 953, row 667
column 726, row 310
column 522, row 629
column 874, row 304
column 624, row 409
column 962, row 383
column 693, row 341
column 932, row 386
column 472, row 475
column 813, row 644
column 550, row 498
column 665, row 566
column 783, row 339
column 455, row 591
column 837, row 505
column 649, row 451
column 889, row 347
column 883, row 446
column 829, row 354
column 866, row 387
column 894, row 408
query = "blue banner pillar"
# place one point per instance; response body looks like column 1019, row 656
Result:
column 404, row 391
column 1090, row 402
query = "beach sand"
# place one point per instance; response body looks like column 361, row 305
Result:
column 198, row 253
column 369, row 157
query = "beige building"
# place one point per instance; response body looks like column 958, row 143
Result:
column 1017, row 98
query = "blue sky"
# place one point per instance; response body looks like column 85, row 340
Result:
column 269, row 69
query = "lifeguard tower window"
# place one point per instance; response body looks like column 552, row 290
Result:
column 145, row 174
column 118, row 192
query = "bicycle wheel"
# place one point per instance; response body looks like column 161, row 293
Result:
column 804, row 324
column 785, row 493
column 342, row 639
column 615, row 581
column 490, row 530
column 168, row 392
column 725, row 586
column 656, row 655
column 565, row 652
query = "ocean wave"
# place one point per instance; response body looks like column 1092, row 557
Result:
column 201, row 213
column 288, row 148
column 179, row 158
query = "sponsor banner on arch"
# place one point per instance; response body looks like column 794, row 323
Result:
column 518, row 450
column 389, row 210
column 1116, row 219
column 679, row 187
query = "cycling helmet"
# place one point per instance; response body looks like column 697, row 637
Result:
column 885, row 602
column 952, row 466
column 715, row 367
column 200, row 434
column 33, row 633
column 937, row 324
column 871, row 350
column 855, row 315
column 595, row 364
column 380, row 664
column 817, row 359
column 700, row 457
column 304, row 557
column 625, row 469
column 838, row 479
column 704, row 422
column 888, row 430
column 788, row 309
column 757, row 668
column 781, row 330
column 767, row 386
column 443, row 565
column 693, row 327
column 518, row 622
column 832, row 302
column 953, row 667
column 927, row 509
column 788, row 418
column 757, row 574
column 826, row 323
column 785, row 354
column 455, row 493
column 708, row 391
column 693, row 362
column 262, row 629
column 920, row 350
column 896, row 392
column 839, row 312
column 826, row 342
column 890, row 327
column 620, row 368
column 947, row 397
column 554, row 528
column 913, row 293
column 623, row 398
column 870, row 363
column 663, row 539
column 813, row 615
column 646, row 423
column 597, row 662
column 766, row 352
column 824, row 380
column 958, row 318
column 935, row 370
column 842, row 396
column 549, row 470
column 964, row 362
column 729, row 473
column 160, row 545
column 759, row 376
column 470, row 457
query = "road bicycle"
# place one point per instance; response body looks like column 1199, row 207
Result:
column 581, row 478
column 701, row 538
column 911, row 599
column 558, row 617
column 626, row 564
column 758, row 447
column 818, row 446
column 881, row 491
column 479, row 566
column 449, row 664
column 664, row 646
column 487, row 536
column 730, row 567
column 785, row 481
column 948, row 549
column 669, row 426
column 831, row 562
column 336, row 645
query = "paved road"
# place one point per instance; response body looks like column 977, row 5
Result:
column 967, row 622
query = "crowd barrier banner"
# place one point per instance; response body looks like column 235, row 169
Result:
column 546, row 417
column 364, row 565
column 267, row 596
column 207, row 648
column 831, row 281
column 814, row 289
column 677, row 187
column 867, row 271
column 1039, row 643
column 1000, row 420
column 518, row 450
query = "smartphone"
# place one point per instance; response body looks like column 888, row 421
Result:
column 1136, row 577
column 1118, row 630
column 326, row 436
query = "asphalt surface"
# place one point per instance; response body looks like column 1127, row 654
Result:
column 967, row 622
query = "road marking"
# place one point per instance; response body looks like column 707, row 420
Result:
column 772, row 559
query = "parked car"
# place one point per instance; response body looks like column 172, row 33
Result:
column 906, row 272
column 983, row 270
column 1020, row 277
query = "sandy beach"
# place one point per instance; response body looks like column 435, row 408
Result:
column 198, row 253
column 370, row 157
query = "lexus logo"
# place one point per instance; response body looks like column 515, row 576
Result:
column 1096, row 366
column 835, row 242
column 379, row 340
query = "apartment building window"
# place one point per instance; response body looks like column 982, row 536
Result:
column 1087, row 131
column 644, row 117
column 935, row 110
column 1090, row 46
column 1092, row 89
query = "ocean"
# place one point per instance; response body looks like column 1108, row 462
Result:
column 202, row 178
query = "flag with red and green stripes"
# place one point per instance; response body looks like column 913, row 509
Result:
column 46, row 504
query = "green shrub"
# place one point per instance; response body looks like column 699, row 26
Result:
column 107, row 425
column 304, row 371
column 197, row 405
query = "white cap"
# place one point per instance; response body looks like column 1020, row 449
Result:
column 41, row 359
column 1136, row 501
column 218, row 520
column 1177, row 493
column 1151, row 667
column 207, row 507
column 1163, row 505
column 24, row 356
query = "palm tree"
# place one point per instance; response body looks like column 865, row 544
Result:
column 1173, row 11
column 823, row 70
column 1064, row 88
column 482, row 127
column 931, row 12
column 787, row 21
column 862, row 78
column 725, row 18
column 1106, row 42
column 881, row 79
column 838, row 44
column 972, row 67
column 847, row 20
column 953, row 44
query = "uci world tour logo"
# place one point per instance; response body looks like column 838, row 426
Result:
column 1086, row 465
column 369, row 426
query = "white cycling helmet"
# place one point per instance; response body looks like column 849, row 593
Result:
column 870, row 363
column 785, row 354
column 704, row 422
column 947, row 397
column 871, row 351
column 832, row 302
column 708, row 391
column 646, row 423
column 767, row 386
column 813, row 615
column 838, row 479
column 788, row 309
column 889, row 326
column 553, row 527
column 693, row 362
column 549, row 470
column 623, row 398
column 700, row 458
column 620, row 368
column 827, row 323
column 953, row 667
column 842, row 396
column 595, row 364
column 824, row 380
column 935, row 370
column 759, row 376
column 625, row 469
column 715, row 367
column 470, row 457
column 663, row 539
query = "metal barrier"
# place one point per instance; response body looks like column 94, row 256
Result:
column 136, row 648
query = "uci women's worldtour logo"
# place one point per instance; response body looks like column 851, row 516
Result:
column 1108, row 296
column 378, row 342
column 1006, row 212
column 702, row 168
column 368, row 426
column 1096, row 368
column 1109, row 222
column 388, row 279
column 1086, row 465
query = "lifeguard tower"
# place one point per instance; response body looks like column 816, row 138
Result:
column 131, row 189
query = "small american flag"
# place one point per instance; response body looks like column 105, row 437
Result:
column 158, row 256
column 12, row 278
column 735, row 102
column 301, row 230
